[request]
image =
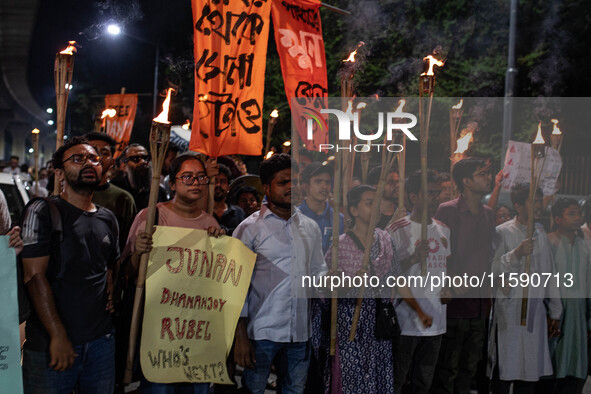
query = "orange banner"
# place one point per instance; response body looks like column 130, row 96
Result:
column 230, row 49
column 298, row 36
column 120, row 126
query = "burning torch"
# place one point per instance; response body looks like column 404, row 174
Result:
column 35, row 138
column 63, row 70
column 159, row 138
column 455, row 118
column 426, row 87
column 538, row 158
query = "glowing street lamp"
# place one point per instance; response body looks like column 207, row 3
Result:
column 113, row 29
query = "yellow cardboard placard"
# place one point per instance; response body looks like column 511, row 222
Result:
column 195, row 289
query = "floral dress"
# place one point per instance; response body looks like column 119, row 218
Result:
column 364, row 365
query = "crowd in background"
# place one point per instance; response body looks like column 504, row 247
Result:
column 81, row 283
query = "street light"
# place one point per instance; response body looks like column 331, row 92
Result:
column 115, row 30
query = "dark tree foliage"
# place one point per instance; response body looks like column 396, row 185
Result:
column 552, row 60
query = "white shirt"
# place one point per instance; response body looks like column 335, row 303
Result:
column 276, row 305
column 406, row 234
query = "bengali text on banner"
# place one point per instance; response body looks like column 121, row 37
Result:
column 298, row 34
column 230, row 50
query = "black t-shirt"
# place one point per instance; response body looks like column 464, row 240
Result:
column 78, row 280
column 384, row 220
column 231, row 218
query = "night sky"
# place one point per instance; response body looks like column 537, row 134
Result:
column 103, row 63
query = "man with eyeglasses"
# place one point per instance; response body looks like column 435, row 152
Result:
column 472, row 226
column 188, row 181
column 114, row 198
column 137, row 175
column 68, row 275
column 228, row 216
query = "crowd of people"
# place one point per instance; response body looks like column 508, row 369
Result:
column 80, row 250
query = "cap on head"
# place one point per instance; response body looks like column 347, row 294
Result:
column 313, row 169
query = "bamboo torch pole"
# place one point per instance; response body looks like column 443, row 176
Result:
column 211, row 192
column 401, row 173
column 455, row 118
column 35, row 137
column 387, row 162
column 555, row 143
column 538, row 156
column 295, row 146
column 426, row 87
column 63, row 70
column 335, row 247
column 270, row 126
column 347, row 74
column 401, row 163
column 159, row 139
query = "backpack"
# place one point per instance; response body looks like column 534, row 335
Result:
column 24, row 303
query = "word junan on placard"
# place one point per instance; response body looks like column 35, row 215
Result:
column 205, row 261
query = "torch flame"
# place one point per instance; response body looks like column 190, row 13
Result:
column 361, row 105
column 556, row 130
column 274, row 114
column 70, row 49
column 432, row 63
column 287, row 143
column 35, row 131
column 349, row 110
column 187, row 125
column 463, row 143
column 351, row 57
column 163, row 117
column 539, row 139
column 269, row 154
column 458, row 105
column 110, row 112
column 400, row 105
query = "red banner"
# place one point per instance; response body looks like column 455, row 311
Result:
column 298, row 36
column 120, row 126
column 230, row 49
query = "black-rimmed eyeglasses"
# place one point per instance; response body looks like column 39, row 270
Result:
column 190, row 179
column 78, row 158
column 138, row 158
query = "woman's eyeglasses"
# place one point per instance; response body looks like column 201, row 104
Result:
column 190, row 179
